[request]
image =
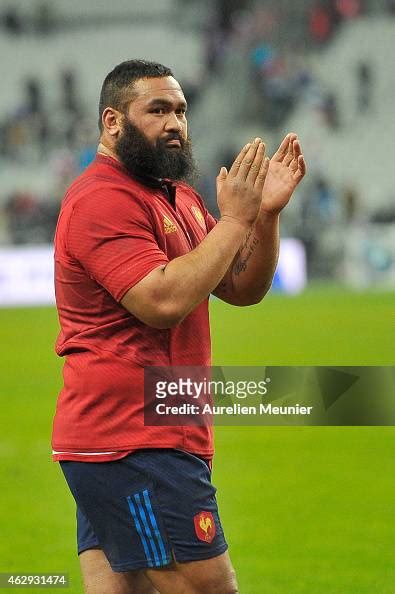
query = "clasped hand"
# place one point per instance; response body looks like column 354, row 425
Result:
column 254, row 183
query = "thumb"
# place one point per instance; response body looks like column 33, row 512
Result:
column 221, row 177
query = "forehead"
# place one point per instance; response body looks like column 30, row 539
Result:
column 147, row 89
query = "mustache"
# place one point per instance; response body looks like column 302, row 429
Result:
column 174, row 136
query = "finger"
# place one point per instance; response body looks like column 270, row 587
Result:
column 248, row 160
column 290, row 153
column 301, row 171
column 297, row 151
column 221, row 177
column 283, row 148
column 256, row 164
column 261, row 177
column 239, row 159
column 296, row 148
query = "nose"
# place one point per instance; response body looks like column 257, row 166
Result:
column 173, row 124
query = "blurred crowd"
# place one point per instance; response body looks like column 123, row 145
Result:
column 39, row 131
column 278, row 40
column 41, row 21
column 277, row 44
column 35, row 127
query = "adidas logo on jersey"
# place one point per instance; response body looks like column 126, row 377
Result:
column 168, row 225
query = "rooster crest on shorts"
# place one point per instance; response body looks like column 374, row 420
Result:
column 204, row 526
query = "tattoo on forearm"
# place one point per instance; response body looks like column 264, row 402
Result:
column 225, row 288
column 246, row 240
column 245, row 253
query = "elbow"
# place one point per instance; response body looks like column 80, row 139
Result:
column 156, row 309
column 163, row 323
column 164, row 317
column 262, row 293
column 252, row 298
column 247, row 301
column 257, row 298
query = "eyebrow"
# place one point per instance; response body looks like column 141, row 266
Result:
column 166, row 103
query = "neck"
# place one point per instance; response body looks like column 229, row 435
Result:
column 102, row 149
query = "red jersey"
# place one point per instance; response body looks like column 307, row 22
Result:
column 113, row 230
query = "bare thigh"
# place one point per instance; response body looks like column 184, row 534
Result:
column 211, row 576
column 99, row 578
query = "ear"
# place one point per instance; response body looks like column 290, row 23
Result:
column 111, row 120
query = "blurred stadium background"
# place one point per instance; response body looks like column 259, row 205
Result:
column 306, row 510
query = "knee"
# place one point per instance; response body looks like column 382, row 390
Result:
column 226, row 584
column 230, row 586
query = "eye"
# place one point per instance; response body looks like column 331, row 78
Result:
column 158, row 110
column 181, row 111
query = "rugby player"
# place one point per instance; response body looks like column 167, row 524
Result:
column 136, row 257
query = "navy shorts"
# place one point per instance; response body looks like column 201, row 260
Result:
column 147, row 509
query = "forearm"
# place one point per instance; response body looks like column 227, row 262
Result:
column 170, row 293
column 191, row 278
column 250, row 275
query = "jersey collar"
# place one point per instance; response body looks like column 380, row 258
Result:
column 167, row 186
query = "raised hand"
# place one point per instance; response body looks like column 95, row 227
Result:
column 286, row 169
column 239, row 192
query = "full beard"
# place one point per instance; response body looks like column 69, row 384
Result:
column 142, row 158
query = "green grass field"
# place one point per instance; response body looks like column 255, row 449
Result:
column 306, row 510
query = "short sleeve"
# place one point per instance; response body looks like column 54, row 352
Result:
column 111, row 235
column 210, row 220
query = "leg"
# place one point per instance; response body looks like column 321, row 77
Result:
column 99, row 578
column 212, row 576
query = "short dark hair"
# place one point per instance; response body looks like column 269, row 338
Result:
column 116, row 88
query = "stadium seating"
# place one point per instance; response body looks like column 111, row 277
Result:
column 359, row 152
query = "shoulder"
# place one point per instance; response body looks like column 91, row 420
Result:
column 100, row 196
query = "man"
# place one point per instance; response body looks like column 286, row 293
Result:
column 136, row 257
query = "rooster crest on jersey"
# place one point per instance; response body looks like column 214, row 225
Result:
column 168, row 225
column 199, row 216
column 204, row 526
